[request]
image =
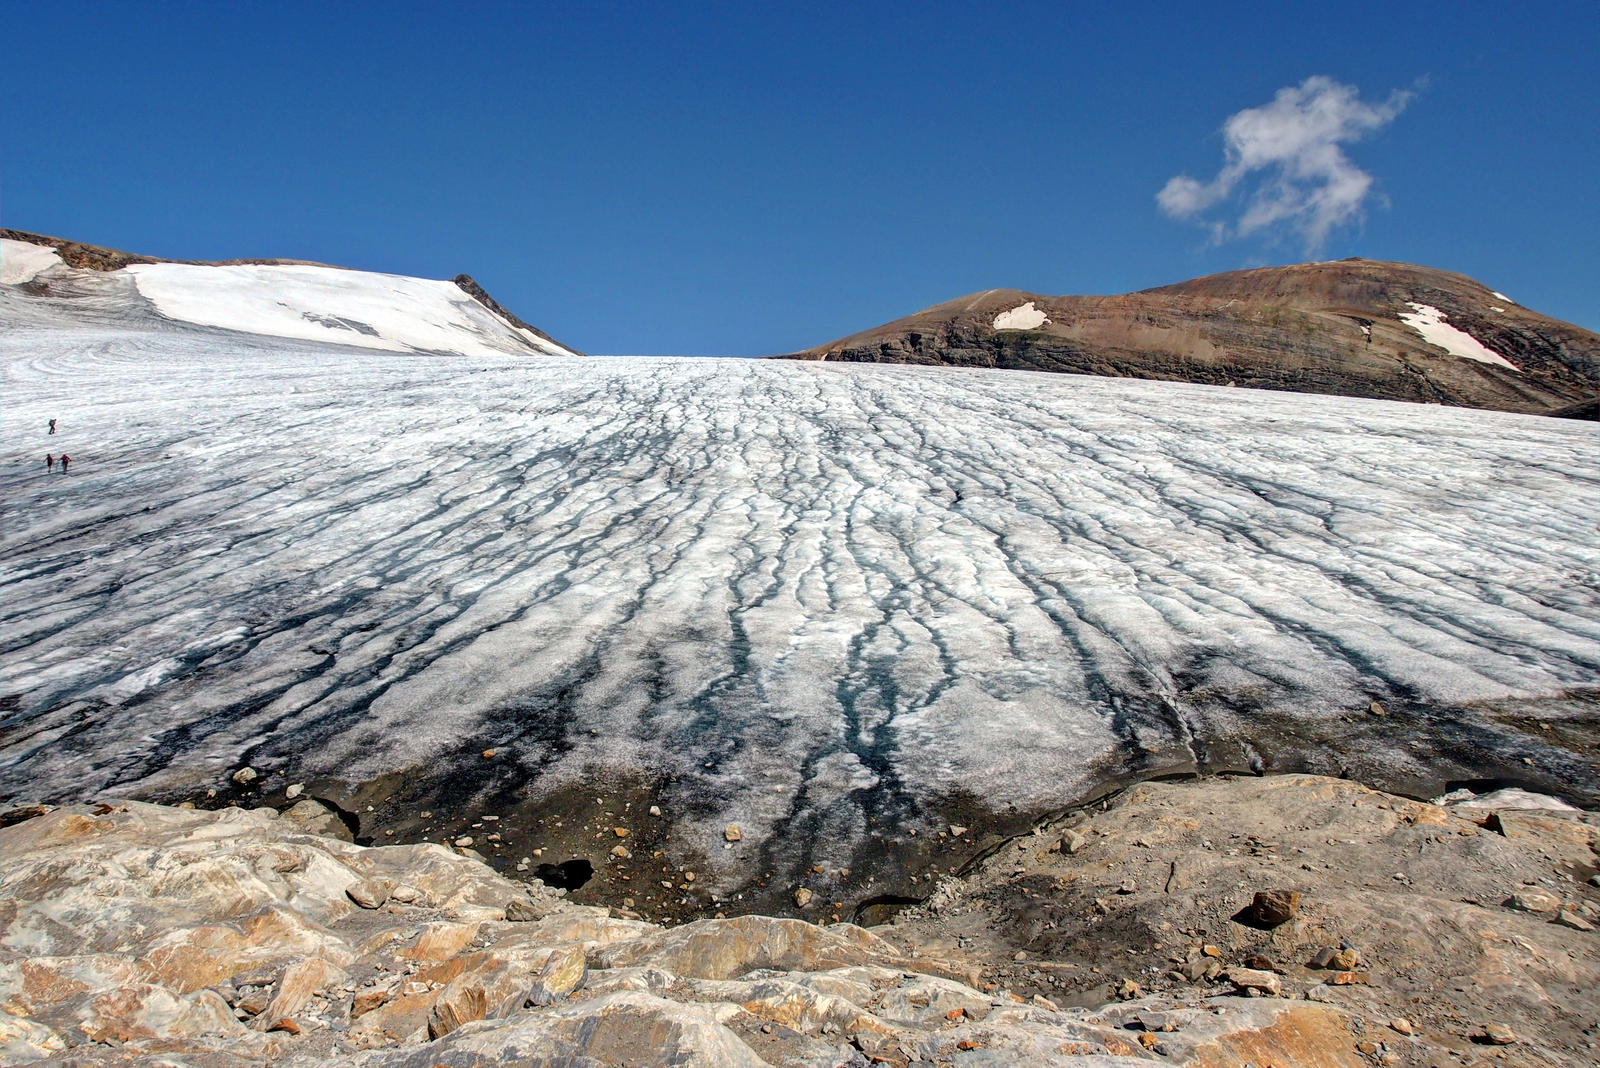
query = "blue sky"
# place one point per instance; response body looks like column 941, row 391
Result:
column 748, row 178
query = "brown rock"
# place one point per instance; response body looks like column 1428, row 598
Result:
column 1270, row 908
column 1499, row 1034
column 301, row 981
column 733, row 833
column 1251, row 979
column 1530, row 900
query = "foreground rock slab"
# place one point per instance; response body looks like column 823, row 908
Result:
column 134, row 933
column 1450, row 921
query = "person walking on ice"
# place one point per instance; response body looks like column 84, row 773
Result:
column 52, row 426
column 65, row 460
column 49, row 462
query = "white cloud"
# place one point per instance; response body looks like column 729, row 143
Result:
column 1285, row 162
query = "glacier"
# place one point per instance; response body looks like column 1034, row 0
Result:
column 832, row 603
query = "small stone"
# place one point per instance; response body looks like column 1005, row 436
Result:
column 1376, row 709
column 1573, row 921
column 956, row 830
column 1211, row 951
column 1402, row 1025
column 369, row 999
column 620, row 852
column 405, row 894
column 521, row 910
column 1072, row 842
column 1248, row 979
column 621, row 832
column 1498, row 1034
column 688, row 876
column 244, row 775
column 369, row 893
column 464, row 841
column 286, row 1025
column 1020, row 956
column 1149, row 1041
column 1533, row 901
column 732, row 832
column 1270, row 908
column 488, row 754
column 802, row 897
column 294, row 791
column 1344, row 959
column 1128, row 886
column 1127, row 990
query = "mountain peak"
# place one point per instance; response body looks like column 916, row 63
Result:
column 1358, row 327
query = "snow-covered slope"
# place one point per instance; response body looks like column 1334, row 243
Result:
column 331, row 305
column 830, row 603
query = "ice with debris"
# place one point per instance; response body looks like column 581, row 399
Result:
column 824, row 599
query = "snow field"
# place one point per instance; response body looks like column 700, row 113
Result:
column 1428, row 321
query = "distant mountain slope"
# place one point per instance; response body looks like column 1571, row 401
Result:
column 1357, row 327
column 277, row 298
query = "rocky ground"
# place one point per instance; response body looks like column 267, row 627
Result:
column 1279, row 921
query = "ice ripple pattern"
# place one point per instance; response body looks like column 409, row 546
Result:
column 820, row 596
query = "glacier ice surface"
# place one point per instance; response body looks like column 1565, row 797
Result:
column 823, row 598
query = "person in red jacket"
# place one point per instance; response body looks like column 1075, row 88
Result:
column 65, row 460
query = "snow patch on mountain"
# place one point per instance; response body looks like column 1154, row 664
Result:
column 1023, row 317
column 1428, row 321
column 333, row 305
column 1501, row 296
column 23, row 261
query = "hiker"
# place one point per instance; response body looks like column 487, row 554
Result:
column 52, row 426
column 49, row 462
column 65, row 460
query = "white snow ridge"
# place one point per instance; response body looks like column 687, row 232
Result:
column 23, row 261
column 1023, row 317
column 330, row 304
column 1428, row 321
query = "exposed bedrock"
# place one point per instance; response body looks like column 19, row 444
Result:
column 1287, row 920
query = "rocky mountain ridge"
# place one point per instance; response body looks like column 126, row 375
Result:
column 1354, row 327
